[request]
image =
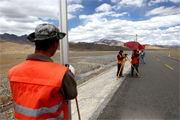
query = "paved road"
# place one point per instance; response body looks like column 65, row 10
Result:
column 155, row 95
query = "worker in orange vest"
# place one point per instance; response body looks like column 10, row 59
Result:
column 134, row 61
column 40, row 87
column 120, row 58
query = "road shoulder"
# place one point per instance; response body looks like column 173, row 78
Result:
column 94, row 94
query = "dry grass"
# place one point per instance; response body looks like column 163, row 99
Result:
column 9, row 47
column 174, row 52
column 8, row 60
column 91, row 53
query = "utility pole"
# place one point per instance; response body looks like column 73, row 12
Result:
column 64, row 46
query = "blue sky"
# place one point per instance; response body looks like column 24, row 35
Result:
column 154, row 21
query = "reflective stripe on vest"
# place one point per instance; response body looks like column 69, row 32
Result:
column 36, row 112
column 59, row 117
column 142, row 53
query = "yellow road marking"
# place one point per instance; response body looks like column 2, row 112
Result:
column 169, row 67
column 158, row 59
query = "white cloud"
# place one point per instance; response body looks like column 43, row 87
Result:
column 138, row 3
column 97, row 15
column 163, row 11
column 120, row 14
column 21, row 9
column 157, row 22
column 74, row 7
column 113, row 1
column 74, row 1
column 175, row 1
column 100, row 16
column 148, row 30
column 20, row 17
column 103, row 10
column 168, row 36
column 128, row 3
column 153, row 2
column 18, row 14
column 70, row 16
column 103, row 7
column 18, row 28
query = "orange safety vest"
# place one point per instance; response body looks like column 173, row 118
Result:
column 134, row 60
column 35, row 87
column 119, row 61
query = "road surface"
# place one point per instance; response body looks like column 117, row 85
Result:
column 155, row 95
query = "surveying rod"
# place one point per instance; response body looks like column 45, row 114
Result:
column 64, row 46
column 136, row 37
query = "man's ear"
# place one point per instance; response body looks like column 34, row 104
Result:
column 54, row 44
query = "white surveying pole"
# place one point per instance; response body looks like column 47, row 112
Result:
column 64, row 46
column 63, row 26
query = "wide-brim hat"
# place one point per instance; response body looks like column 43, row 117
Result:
column 44, row 32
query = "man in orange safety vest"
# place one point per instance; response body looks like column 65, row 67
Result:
column 40, row 87
column 120, row 58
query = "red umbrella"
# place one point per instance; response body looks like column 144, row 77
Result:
column 133, row 45
column 143, row 47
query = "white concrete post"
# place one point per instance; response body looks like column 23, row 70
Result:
column 64, row 46
column 169, row 54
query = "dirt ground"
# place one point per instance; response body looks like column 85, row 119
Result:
column 7, row 61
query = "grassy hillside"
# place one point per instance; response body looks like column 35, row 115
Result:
column 11, row 47
column 81, row 46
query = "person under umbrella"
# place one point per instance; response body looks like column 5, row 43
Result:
column 134, row 61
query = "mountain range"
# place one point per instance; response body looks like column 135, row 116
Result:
column 14, row 38
column 102, row 45
column 109, row 42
